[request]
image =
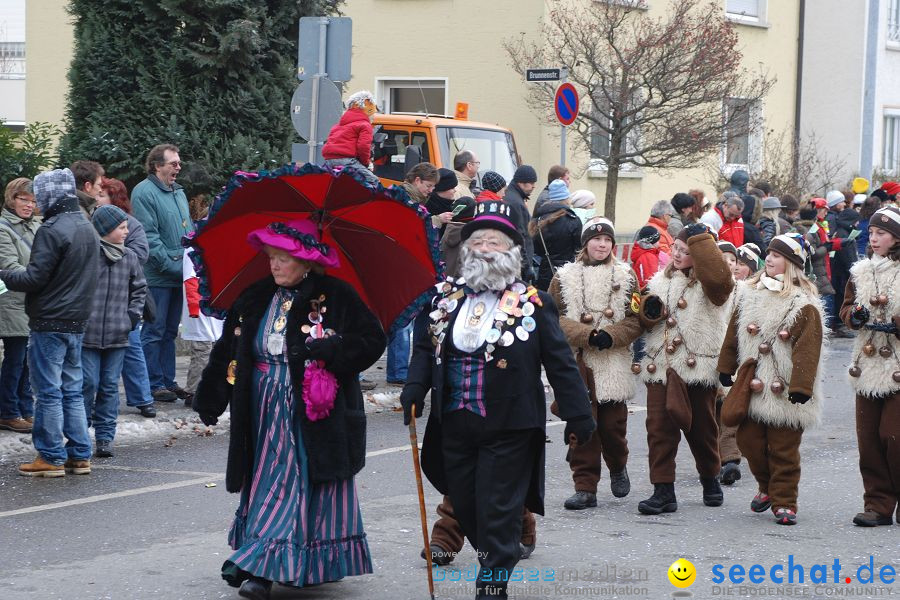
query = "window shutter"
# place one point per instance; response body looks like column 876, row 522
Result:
column 748, row 8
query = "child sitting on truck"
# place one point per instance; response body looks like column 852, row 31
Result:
column 349, row 142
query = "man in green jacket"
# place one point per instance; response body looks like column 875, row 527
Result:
column 161, row 206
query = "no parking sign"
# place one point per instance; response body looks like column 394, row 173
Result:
column 566, row 103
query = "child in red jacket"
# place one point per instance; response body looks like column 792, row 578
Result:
column 349, row 142
column 645, row 259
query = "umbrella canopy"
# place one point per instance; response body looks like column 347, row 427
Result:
column 385, row 242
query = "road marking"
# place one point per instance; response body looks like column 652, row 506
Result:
column 101, row 497
column 163, row 471
column 202, row 477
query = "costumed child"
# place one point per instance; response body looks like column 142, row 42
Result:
column 746, row 264
column 349, row 143
column 729, row 453
column 598, row 299
column 774, row 341
column 679, row 369
column 872, row 306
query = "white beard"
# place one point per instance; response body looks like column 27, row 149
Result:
column 490, row 270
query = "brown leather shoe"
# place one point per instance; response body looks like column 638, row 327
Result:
column 78, row 467
column 870, row 518
column 30, row 420
column 18, row 425
column 41, row 468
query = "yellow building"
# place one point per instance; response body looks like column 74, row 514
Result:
column 453, row 49
column 447, row 51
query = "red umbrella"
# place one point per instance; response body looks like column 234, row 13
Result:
column 385, row 241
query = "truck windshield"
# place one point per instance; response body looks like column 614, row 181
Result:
column 495, row 149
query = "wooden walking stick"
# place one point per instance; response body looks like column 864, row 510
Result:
column 414, row 441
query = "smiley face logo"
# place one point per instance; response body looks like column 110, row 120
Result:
column 682, row 573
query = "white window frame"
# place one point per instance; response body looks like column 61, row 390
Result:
column 760, row 20
column 12, row 60
column 892, row 33
column 383, row 86
column 754, row 141
column 890, row 144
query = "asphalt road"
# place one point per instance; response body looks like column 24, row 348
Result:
column 147, row 524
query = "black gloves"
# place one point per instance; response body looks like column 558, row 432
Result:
column 798, row 398
column 413, row 394
column 726, row 380
column 696, row 229
column 652, row 307
column 600, row 340
column 208, row 419
column 135, row 319
column 859, row 316
column 324, row 348
column 581, row 428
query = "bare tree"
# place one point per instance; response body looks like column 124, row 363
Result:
column 801, row 166
column 652, row 89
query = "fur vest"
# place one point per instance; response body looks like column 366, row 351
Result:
column 593, row 289
column 871, row 278
column 772, row 313
column 700, row 327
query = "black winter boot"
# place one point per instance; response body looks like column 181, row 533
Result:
column 619, row 484
column 731, row 472
column 662, row 500
column 712, row 491
column 255, row 588
column 581, row 500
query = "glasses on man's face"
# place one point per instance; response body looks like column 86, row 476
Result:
column 475, row 162
column 175, row 164
column 26, row 200
column 488, row 243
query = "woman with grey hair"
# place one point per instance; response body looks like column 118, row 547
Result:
column 18, row 224
column 660, row 214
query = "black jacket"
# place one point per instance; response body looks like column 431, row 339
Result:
column 561, row 230
column 60, row 278
column 518, row 210
column 335, row 445
column 513, row 392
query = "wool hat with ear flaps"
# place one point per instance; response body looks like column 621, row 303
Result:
column 492, row 214
column 595, row 227
column 748, row 254
column 791, row 246
column 887, row 218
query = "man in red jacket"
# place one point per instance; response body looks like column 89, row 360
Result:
column 349, row 142
column 725, row 219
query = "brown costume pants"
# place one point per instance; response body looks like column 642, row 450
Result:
column 878, row 436
column 447, row 533
column 773, row 454
column 608, row 441
column 728, row 448
column 663, row 435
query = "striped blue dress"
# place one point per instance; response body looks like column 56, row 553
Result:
column 288, row 530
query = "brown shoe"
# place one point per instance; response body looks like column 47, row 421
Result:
column 41, row 468
column 18, row 425
column 30, row 420
column 870, row 518
column 78, row 467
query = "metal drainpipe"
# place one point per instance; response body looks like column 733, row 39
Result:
column 795, row 162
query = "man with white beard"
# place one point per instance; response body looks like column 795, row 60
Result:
column 480, row 356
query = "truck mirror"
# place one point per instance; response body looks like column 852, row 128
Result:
column 413, row 157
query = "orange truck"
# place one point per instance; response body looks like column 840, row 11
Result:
column 403, row 140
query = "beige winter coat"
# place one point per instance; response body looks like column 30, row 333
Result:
column 577, row 289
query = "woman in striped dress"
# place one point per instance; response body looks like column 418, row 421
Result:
column 293, row 451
